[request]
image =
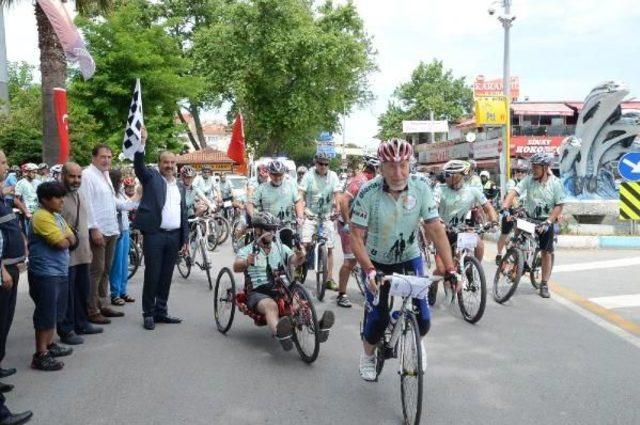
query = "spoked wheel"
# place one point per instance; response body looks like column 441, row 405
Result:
column 321, row 273
column 357, row 274
column 184, row 265
column 535, row 274
column 305, row 324
column 411, row 373
column 507, row 275
column 223, row 229
column 135, row 258
column 206, row 263
column 472, row 299
column 224, row 300
column 212, row 234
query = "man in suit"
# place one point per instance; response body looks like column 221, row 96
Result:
column 162, row 219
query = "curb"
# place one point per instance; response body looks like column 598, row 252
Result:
column 590, row 242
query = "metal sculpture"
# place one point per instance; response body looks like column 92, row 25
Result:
column 604, row 133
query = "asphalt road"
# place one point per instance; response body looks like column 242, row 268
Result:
column 530, row 361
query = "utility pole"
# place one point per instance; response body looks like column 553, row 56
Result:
column 4, row 74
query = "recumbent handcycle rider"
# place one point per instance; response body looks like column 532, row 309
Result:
column 388, row 209
column 257, row 261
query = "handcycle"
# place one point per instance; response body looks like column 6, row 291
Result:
column 293, row 301
column 401, row 340
column 522, row 255
column 472, row 297
column 195, row 245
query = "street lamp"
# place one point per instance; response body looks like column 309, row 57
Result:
column 4, row 77
column 506, row 20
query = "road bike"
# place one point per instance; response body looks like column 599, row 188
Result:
column 401, row 340
column 317, row 256
column 522, row 256
column 197, row 246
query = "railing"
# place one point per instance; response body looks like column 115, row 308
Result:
column 543, row 130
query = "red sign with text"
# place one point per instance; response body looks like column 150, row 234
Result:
column 482, row 87
column 526, row 146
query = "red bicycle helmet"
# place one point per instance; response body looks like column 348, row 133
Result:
column 395, row 150
column 129, row 181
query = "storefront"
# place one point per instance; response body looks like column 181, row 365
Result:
column 217, row 160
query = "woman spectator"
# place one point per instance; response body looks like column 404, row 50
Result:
column 118, row 276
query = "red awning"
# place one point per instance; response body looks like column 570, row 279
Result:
column 533, row 108
column 632, row 104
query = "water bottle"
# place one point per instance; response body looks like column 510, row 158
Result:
column 395, row 315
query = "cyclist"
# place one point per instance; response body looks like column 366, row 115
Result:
column 506, row 226
column 225, row 188
column 261, row 177
column 43, row 174
column 301, row 171
column 277, row 197
column 371, row 164
column 195, row 198
column 207, row 184
column 457, row 200
column 388, row 209
column 257, row 261
column 320, row 188
column 488, row 186
column 55, row 172
column 25, row 192
column 543, row 200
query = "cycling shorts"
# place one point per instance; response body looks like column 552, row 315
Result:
column 506, row 226
column 309, row 228
column 376, row 318
column 545, row 240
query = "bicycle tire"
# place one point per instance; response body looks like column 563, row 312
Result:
column 411, row 370
column 211, row 235
column 535, row 274
column 206, row 263
column 515, row 256
column 225, row 277
column 223, row 227
column 304, row 322
column 134, row 259
column 321, row 273
column 470, row 289
column 184, row 265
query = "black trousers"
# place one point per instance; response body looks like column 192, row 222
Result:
column 160, row 255
column 8, row 308
column 75, row 316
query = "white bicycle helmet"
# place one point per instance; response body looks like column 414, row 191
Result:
column 542, row 158
column 485, row 173
column 395, row 150
column 456, row 166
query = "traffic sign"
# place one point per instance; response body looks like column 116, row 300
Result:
column 629, row 166
column 630, row 201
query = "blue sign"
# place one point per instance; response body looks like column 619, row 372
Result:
column 325, row 136
column 629, row 166
column 327, row 148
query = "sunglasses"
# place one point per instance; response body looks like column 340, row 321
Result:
column 323, row 164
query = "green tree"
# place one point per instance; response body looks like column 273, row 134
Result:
column 130, row 44
column 53, row 68
column 431, row 88
column 291, row 67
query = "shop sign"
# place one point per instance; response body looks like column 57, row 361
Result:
column 215, row 167
column 491, row 110
column 444, row 151
column 482, row 87
column 530, row 145
column 486, row 148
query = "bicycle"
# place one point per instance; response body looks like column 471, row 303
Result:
column 317, row 256
column 522, row 255
column 196, row 244
column 135, row 252
column 426, row 248
column 472, row 297
column 401, row 340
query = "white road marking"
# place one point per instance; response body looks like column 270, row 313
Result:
column 631, row 339
column 593, row 265
column 618, row 301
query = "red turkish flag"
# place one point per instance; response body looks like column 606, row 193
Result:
column 236, row 149
column 62, row 119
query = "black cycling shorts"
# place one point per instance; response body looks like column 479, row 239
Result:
column 545, row 240
column 506, row 226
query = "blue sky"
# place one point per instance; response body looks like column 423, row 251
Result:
column 560, row 49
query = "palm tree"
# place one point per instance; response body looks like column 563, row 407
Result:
column 53, row 67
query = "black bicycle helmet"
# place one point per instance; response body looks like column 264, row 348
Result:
column 188, row 171
column 277, row 167
column 264, row 220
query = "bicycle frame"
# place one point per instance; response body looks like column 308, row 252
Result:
column 199, row 243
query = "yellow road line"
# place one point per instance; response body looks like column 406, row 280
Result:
column 604, row 313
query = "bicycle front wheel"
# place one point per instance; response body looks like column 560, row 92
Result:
column 305, row 324
column 184, row 265
column 206, row 263
column 223, row 227
column 472, row 299
column 535, row 274
column 134, row 259
column 411, row 373
column 224, row 298
column 508, row 274
column 321, row 273
column 212, row 234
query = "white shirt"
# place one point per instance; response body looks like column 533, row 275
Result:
column 101, row 208
column 171, row 208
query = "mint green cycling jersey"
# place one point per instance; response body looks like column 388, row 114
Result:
column 257, row 272
column 392, row 224
column 192, row 194
column 539, row 199
column 279, row 201
column 318, row 191
column 455, row 204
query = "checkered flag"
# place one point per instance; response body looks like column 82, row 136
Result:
column 135, row 121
